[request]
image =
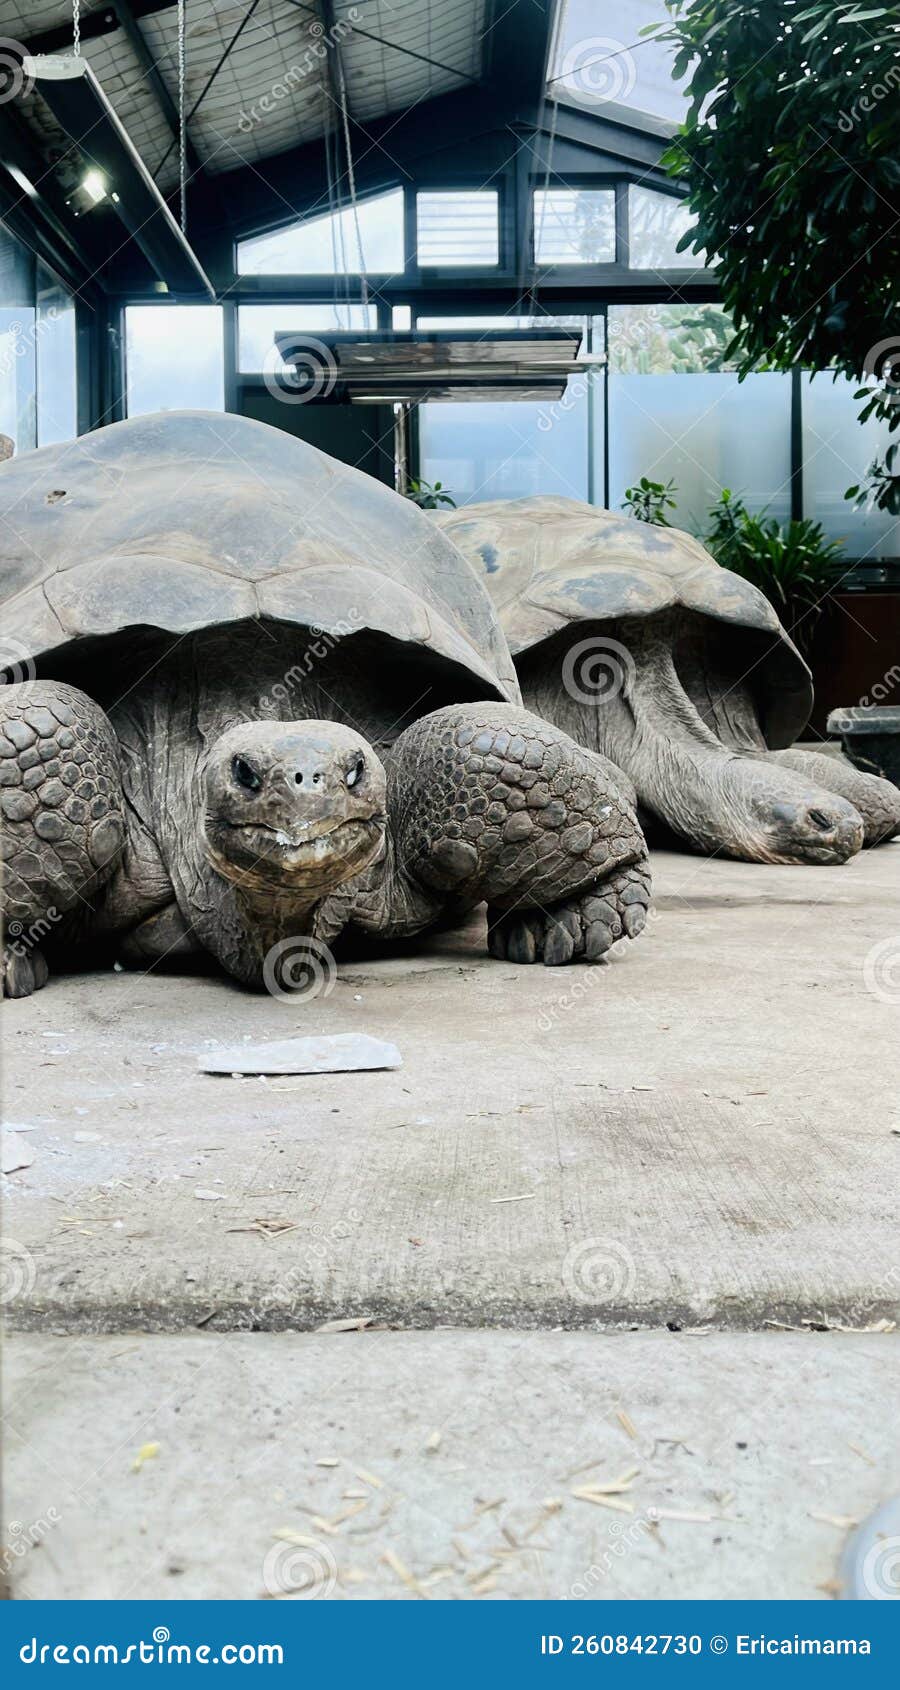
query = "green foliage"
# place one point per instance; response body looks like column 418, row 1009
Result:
column 668, row 339
column 649, row 501
column 791, row 157
column 429, row 497
column 792, row 563
column 881, row 487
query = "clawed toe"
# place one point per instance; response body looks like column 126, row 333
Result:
column 24, row 971
column 581, row 929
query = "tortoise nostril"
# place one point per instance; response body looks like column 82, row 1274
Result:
column 298, row 779
column 819, row 819
column 245, row 775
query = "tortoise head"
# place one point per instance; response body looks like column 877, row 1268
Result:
column 294, row 807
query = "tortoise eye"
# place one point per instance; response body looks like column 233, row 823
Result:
column 245, row 775
column 354, row 773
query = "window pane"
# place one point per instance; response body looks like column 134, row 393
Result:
column 574, row 226
column 17, row 344
column 458, row 228
column 508, row 449
column 674, row 414
column 837, row 450
column 57, row 387
column 330, row 245
column 173, row 358
column 259, row 324
column 656, row 223
column 599, row 56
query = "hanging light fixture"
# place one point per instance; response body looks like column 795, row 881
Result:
column 113, row 168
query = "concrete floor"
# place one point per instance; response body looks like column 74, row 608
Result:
column 703, row 1133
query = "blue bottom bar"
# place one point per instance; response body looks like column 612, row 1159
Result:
column 440, row 1643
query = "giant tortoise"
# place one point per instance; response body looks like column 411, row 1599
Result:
column 636, row 642
column 253, row 697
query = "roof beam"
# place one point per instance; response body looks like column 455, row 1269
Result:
column 517, row 44
column 152, row 74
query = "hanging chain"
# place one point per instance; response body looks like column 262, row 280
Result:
column 76, row 28
column 182, row 126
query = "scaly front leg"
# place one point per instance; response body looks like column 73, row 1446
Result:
column 61, row 804
column 489, row 802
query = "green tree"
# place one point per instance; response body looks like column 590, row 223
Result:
column 791, row 157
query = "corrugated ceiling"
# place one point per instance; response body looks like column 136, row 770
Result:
column 277, row 86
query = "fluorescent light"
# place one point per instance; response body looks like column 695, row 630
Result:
column 93, row 183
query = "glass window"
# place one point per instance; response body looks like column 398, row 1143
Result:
column 55, row 343
column 837, row 451
column 508, row 449
column 574, row 226
column 675, row 412
column 600, row 56
column 174, row 358
column 18, row 365
column 458, row 228
column 656, row 223
column 259, row 324
column 335, row 244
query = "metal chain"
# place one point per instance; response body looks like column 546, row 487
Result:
column 182, row 126
column 76, row 28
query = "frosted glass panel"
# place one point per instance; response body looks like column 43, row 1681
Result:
column 837, row 451
column 574, row 226
column 458, row 228
column 600, row 56
column 508, row 450
column 705, row 432
column 330, row 245
column 57, row 387
column 173, row 358
column 259, row 324
column 656, row 223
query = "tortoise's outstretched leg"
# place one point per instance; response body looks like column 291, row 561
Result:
column 62, row 817
column 488, row 802
column 877, row 800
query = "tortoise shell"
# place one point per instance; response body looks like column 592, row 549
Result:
column 550, row 562
column 185, row 519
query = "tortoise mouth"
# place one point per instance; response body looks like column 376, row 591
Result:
column 316, row 854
